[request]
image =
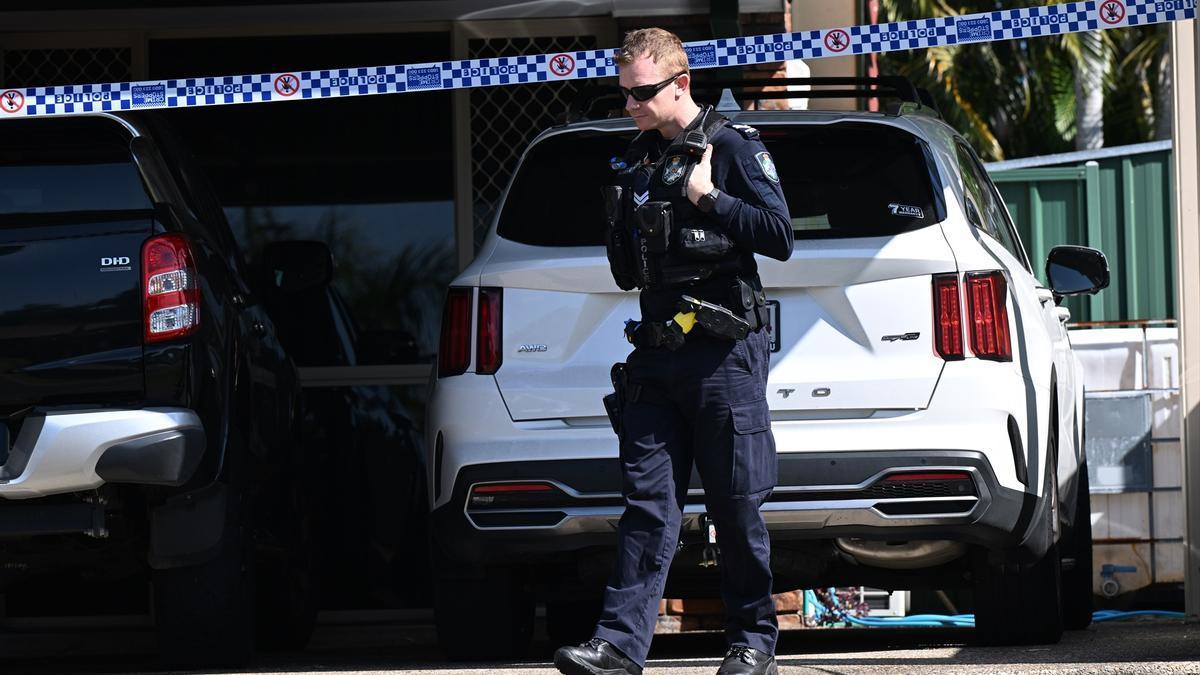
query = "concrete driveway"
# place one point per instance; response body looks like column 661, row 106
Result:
column 390, row 644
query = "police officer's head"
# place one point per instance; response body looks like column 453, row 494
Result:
column 655, row 80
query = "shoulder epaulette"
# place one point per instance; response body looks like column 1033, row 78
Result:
column 748, row 132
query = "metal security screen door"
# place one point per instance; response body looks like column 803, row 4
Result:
column 494, row 125
column 28, row 60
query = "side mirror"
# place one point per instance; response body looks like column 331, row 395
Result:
column 295, row 266
column 1074, row 270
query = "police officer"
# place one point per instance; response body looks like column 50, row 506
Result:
column 697, row 197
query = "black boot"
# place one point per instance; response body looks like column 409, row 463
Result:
column 594, row 657
column 743, row 660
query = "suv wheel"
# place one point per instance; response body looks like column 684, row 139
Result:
column 1021, row 603
column 571, row 621
column 483, row 618
column 1077, row 558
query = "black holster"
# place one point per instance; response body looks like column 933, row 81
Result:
column 732, row 314
column 716, row 319
column 655, row 334
column 614, row 403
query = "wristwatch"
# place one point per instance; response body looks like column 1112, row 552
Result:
column 708, row 201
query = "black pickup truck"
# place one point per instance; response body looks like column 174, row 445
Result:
column 148, row 414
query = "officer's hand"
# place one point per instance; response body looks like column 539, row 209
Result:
column 700, row 182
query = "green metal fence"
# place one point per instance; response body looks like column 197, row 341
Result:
column 1117, row 200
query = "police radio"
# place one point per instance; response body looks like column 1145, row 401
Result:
column 694, row 143
column 695, row 139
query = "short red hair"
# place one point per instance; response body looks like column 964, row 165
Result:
column 662, row 46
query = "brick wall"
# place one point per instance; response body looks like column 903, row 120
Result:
column 681, row 616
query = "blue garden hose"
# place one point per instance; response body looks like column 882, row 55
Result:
column 957, row 620
column 1110, row 614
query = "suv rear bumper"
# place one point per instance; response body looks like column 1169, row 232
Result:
column 60, row 451
column 820, row 496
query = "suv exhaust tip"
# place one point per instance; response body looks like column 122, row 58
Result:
column 902, row 555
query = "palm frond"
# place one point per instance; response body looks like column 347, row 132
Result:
column 1021, row 97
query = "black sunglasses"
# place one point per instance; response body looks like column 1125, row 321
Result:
column 645, row 92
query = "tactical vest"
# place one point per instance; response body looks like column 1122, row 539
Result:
column 660, row 242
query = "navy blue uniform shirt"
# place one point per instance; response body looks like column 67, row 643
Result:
column 750, row 210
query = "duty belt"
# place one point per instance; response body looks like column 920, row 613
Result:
column 715, row 320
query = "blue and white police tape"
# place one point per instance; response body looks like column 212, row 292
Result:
column 1011, row 24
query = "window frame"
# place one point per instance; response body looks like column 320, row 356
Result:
column 1001, row 232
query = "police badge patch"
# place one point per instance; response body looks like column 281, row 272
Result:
column 768, row 166
column 673, row 171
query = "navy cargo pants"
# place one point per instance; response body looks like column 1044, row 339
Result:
column 706, row 404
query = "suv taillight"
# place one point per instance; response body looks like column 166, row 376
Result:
column 487, row 347
column 987, row 294
column 947, row 317
column 170, row 292
column 454, row 348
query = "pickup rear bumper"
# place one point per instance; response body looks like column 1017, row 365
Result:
column 61, row 451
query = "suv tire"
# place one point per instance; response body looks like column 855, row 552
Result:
column 482, row 618
column 572, row 620
column 1021, row 603
column 1077, row 545
column 1018, row 604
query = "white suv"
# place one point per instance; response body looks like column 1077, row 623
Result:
column 926, row 405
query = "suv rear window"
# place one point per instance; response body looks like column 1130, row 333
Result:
column 844, row 180
column 62, row 165
column 555, row 198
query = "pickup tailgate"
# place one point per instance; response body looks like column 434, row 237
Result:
column 73, row 217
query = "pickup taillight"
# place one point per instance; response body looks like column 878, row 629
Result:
column 170, row 288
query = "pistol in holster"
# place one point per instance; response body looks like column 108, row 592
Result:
column 614, row 403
